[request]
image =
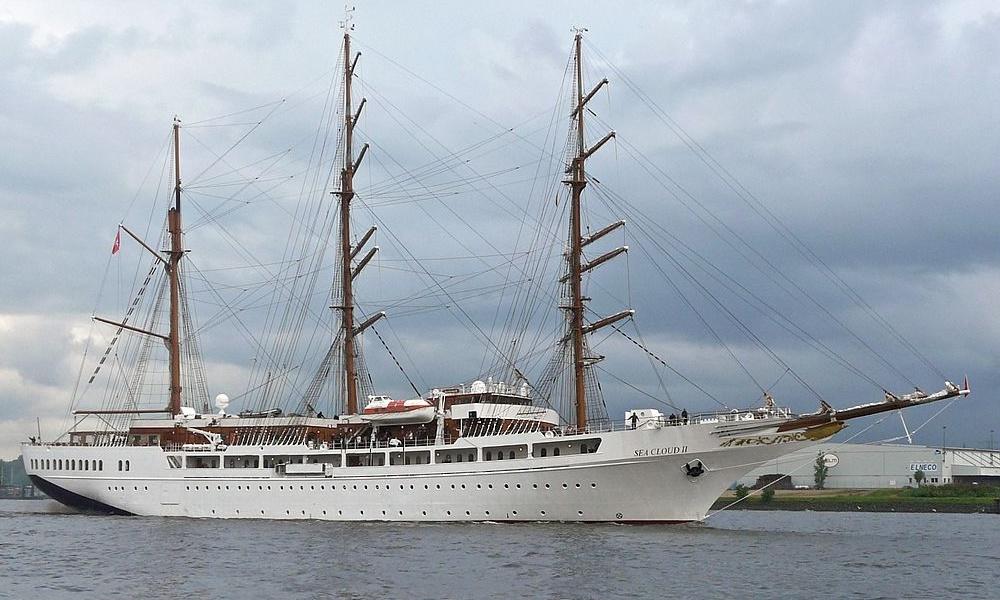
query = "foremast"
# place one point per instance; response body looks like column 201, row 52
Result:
column 576, row 318
column 348, row 331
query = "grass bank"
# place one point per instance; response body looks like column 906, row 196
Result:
column 945, row 498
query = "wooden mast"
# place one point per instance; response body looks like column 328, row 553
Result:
column 173, row 271
column 346, row 195
column 577, row 183
column 578, row 328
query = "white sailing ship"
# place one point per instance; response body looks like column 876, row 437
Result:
column 483, row 450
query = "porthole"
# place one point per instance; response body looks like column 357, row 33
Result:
column 438, row 486
column 355, row 487
column 547, row 486
column 145, row 488
column 578, row 485
column 479, row 486
column 237, row 511
column 423, row 512
column 324, row 512
column 366, row 487
column 518, row 486
column 281, row 487
column 411, row 486
column 453, row 486
column 362, row 512
column 506, row 486
column 490, row 486
column 467, row 513
column 448, row 512
column 565, row 485
column 513, row 512
column 288, row 512
column 542, row 512
column 303, row 512
column 463, row 486
column 383, row 513
column 426, row 487
column 487, row 513
column 593, row 485
column 579, row 513
column 340, row 512
column 213, row 511
column 534, row 485
column 261, row 512
column 400, row 487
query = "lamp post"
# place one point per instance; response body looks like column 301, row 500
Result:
column 944, row 436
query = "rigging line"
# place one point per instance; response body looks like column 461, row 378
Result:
column 781, row 320
column 393, row 357
column 735, row 235
column 774, row 221
column 656, row 372
column 475, row 329
column 924, row 424
column 239, row 112
column 664, row 363
column 231, row 147
column 647, row 163
column 636, row 389
column 771, row 313
column 697, row 313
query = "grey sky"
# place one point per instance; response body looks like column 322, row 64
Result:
column 869, row 128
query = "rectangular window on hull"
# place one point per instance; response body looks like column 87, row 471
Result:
column 242, row 462
column 198, row 462
column 174, row 462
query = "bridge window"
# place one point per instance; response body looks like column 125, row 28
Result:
column 489, row 455
column 511, row 455
column 100, row 465
column 544, row 453
column 126, row 465
column 119, row 465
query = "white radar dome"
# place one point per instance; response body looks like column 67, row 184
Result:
column 222, row 402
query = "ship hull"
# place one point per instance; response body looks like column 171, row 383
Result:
column 634, row 477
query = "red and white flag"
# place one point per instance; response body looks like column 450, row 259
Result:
column 118, row 242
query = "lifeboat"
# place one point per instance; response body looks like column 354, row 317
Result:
column 382, row 410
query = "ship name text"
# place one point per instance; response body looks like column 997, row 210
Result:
column 662, row 451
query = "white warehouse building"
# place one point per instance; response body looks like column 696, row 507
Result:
column 873, row 466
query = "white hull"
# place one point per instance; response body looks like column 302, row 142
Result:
column 635, row 476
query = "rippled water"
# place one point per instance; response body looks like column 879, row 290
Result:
column 48, row 552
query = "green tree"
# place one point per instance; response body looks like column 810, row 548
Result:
column 741, row 491
column 820, row 471
column 767, row 495
column 919, row 477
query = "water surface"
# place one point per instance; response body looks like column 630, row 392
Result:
column 50, row 552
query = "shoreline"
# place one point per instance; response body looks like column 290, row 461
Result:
column 894, row 500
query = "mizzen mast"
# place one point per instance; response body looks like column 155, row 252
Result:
column 577, row 267
column 175, row 254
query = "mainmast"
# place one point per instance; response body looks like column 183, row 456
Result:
column 176, row 252
column 349, row 332
column 577, row 267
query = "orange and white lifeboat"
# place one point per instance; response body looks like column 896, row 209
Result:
column 382, row 410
